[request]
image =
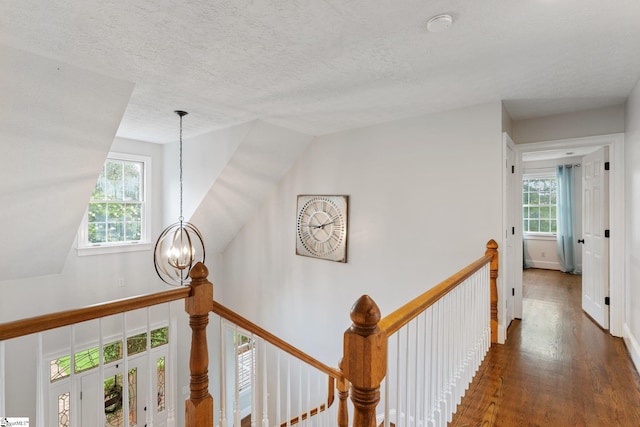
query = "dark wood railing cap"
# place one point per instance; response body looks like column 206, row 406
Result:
column 365, row 313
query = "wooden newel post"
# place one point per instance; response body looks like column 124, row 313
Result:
column 364, row 362
column 492, row 249
column 199, row 406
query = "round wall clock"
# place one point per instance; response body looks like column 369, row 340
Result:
column 322, row 227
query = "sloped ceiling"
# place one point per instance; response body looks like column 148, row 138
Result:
column 57, row 123
column 323, row 66
column 260, row 161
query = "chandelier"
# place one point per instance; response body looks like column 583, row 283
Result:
column 180, row 246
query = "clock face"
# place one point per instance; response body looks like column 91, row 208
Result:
column 322, row 227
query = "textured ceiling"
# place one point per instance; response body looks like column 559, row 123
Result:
column 322, row 66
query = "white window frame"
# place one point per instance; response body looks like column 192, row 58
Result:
column 86, row 248
column 540, row 235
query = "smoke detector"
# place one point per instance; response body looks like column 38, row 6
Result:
column 439, row 23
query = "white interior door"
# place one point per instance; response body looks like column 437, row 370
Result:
column 595, row 250
column 509, row 254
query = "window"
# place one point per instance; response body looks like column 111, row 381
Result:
column 539, row 204
column 118, row 214
column 246, row 359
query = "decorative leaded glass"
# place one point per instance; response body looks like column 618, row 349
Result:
column 60, row 368
column 113, row 396
column 63, row 409
column 161, row 384
column 159, row 337
column 137, row 344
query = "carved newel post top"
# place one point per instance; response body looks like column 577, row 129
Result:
column 199, row 271
column 365, row 313
column 492, row 244
column 201, row 299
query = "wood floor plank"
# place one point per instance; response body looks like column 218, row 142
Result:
column 558, row 368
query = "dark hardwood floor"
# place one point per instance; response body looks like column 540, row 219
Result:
column 558, row 368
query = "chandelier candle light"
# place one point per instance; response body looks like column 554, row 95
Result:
column 180, row 245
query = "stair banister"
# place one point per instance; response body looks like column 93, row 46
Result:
column 364, row 360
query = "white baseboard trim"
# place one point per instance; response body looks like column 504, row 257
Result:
column 633, row 347
column 547, row 265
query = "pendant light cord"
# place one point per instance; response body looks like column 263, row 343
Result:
column 181, row 114
column 181, row 217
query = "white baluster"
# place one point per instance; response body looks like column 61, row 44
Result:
column 288, row 391
column 125, row 374
column 40, row 414
column 398, row 400
column 171, row 386
column 265, row 408
column 407, row 376
column 254, row 385
column 2, row 379
column 101, row 418
column 223, row 376
column 299, row 406
column 308, row 397
column 153, row 371
column 387, row 398
column 236, row 404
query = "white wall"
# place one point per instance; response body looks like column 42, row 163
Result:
column 425, row 199
column 541, row 252
column 599, row 121
column 631, row 327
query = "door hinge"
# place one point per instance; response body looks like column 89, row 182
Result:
column 513, row 169
column 80, row 395
column 606, row 166
column 606, row 233
column 513, row 230
column 513, row 292
column 606, row 301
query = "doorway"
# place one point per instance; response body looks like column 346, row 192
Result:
column 580, row 146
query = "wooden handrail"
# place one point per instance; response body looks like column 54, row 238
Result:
column 46, row 322
column 392, row 322
column 251, row 327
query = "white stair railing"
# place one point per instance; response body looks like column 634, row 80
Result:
column 267, row 385
column 432, row 359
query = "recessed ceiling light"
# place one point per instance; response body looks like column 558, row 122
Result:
column 439, row 23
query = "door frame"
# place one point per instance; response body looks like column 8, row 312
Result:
column 615, row 142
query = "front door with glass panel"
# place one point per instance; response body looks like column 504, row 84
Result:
column 111, row 399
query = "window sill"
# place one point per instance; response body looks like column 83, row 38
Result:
column 113, row 249
column 539, row 236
